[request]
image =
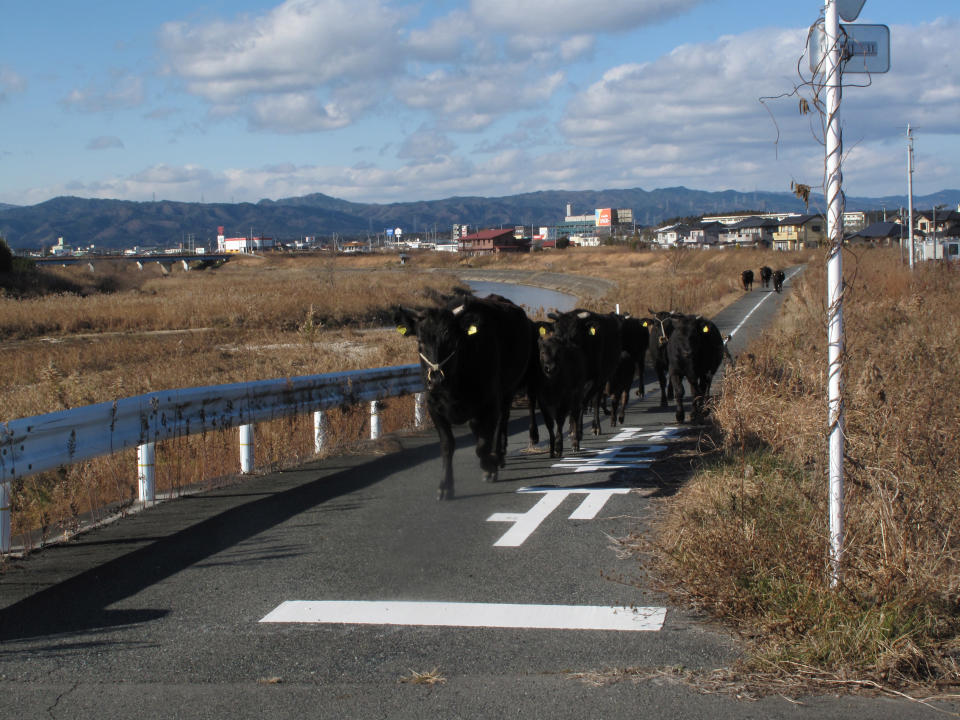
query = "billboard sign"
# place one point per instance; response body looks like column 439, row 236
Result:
column 389, row 232
column 603, row 216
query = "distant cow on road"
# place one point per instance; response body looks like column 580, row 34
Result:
column 473, row 358
column 765, row 274
column 778, row 277
column 746, row 277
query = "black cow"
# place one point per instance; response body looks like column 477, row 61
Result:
column 660, row 326
column 473, row 357
column 778, row 277
column 598, row 337
column 561, row 386
column 695, row 350
column 635, row 339
column 765, row 274
column 746, row 277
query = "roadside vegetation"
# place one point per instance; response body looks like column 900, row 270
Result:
column 746, row 539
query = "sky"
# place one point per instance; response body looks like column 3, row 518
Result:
column 391, row 100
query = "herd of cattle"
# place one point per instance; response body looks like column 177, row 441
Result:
column 766, row 275
column 476, row 354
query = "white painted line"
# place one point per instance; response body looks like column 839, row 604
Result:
column 444, row 614
column 762, row 300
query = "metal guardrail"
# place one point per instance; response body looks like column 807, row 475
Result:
column 44, row 442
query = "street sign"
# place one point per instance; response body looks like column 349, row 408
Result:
column 864, row 49
column 849, row 9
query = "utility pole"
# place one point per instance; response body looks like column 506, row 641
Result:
column 835, row 336
column 910, row 190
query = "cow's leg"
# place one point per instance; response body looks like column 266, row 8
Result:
column 623, row 404
column 576, row 427
column 677, row 383
column 534, row 431
column 447, row 445
column 596, row 412
column 487, row 432
column 548, row 421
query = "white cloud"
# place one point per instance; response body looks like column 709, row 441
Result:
column 694, row 113
column 300, row 52
column 425, row 145
column 558, row 17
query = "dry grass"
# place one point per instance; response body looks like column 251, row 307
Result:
column 124, row 332
column 747, row 538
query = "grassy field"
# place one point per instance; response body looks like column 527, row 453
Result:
column 747, row 538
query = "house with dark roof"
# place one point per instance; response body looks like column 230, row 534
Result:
column 884, row 233
column 749, row 232
column 799, row 231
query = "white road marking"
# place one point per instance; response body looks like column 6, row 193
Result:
column 615, row 458
column 446, row 614
column 668, row 433
column 524, row 524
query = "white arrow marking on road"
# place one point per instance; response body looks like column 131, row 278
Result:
column 524, row 524
column 445, row 614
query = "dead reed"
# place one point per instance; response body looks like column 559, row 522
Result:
column 747, row 538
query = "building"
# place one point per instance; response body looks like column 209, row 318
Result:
column 754, row 231
column 492, row 241
column 799, row 231
column 242, row 244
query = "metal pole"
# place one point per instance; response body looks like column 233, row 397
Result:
column 4, row 517
column 146, row 472
column 375, row 420
column 835, row 337
column 246, row 449
column 319, row 432
column 910, row 190
column 420, row 409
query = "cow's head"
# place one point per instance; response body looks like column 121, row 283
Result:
column 547, row 344
column 445, row 336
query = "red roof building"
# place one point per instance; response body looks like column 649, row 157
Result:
column 492, row 241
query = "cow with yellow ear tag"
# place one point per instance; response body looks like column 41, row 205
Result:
column 474, row 354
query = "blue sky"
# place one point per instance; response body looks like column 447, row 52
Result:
column 384, row 101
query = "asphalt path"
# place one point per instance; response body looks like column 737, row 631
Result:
column 217, row 605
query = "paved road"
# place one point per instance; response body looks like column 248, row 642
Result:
column 163, row 614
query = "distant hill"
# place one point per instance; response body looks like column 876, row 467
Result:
column 116, row 224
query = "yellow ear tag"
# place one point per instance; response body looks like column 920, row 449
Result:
column 706, row 328
column 543, row 332
column 593, row 330
column 402, row 329
column 645, row 323
column 472, row 330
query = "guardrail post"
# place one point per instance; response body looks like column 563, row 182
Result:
column 319, row 432
column 146, row 472
column 246, row 449
column 4, row 517
column 420, row 409
column 375, row 420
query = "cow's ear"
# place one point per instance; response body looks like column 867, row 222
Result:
column 407, row 320
column 543, row 328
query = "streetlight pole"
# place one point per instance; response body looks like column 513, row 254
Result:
column 910, row 190
column 835, row 336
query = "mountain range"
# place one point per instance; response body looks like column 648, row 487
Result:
column 117, row 224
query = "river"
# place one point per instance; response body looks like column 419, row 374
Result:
column 529, row 297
